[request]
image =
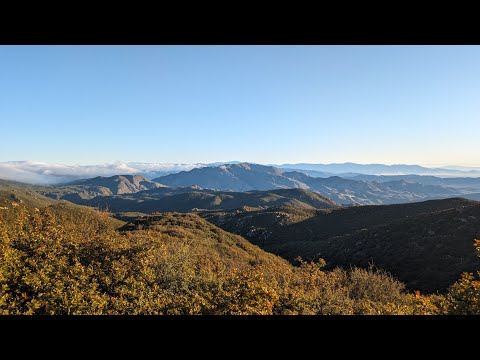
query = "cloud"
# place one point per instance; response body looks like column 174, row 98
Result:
column 49, row 173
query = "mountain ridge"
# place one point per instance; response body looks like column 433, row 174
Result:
column 247, row 177
column 241, row 177
column 381, row 169
column 84, row 189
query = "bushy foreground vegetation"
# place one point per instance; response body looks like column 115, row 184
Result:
column 58, row 261
column 426, row 245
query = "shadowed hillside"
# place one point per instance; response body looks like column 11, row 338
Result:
column 178, row 199
column 426, row 244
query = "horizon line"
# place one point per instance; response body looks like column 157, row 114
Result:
column 432, row 166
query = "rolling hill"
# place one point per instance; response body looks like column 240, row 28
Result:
column 15, row 194
column 426, row 244
column 189, row 198
column 11, row 191
column 83, row 189
column 214, row 243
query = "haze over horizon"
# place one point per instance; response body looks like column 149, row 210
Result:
column 201, row 104
column 219, row 161
column 54, row 173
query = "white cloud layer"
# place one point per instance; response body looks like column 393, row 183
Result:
column 33, row 172
column 49, row 173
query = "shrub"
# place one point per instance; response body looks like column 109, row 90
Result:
column 463, row 297
column 61, row 261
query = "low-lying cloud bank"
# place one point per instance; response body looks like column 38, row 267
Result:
column 43, row 173
column 48, row 173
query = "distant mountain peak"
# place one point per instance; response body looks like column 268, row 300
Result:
column 232, row 177
column 112, row 185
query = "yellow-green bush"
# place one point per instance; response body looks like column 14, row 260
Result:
column 61, row 261
column 463, row 297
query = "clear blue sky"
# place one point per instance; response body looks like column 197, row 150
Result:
column 265, row 104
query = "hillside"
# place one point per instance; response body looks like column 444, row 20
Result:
column 426, row 244
column 17, row 195
column 213, row 243
column 11, row 191
column 188, row 199
column 428, row 252
column 68, row 263
column 247, row 177
column 99, row 186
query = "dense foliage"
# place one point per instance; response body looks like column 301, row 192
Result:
column 64, row 261
column 426, row 245
column 464, row 296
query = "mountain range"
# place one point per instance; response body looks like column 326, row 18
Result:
column 234, row 177
column 382, row 169
column 41, row 173
column 246, row 177
column 426, row 244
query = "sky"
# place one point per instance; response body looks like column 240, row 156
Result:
column 263, row 104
